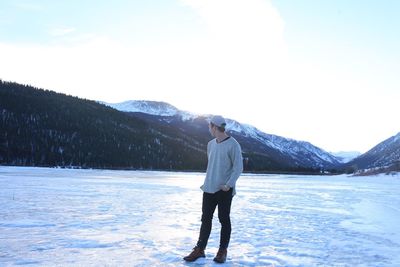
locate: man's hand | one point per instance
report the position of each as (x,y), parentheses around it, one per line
(224,187)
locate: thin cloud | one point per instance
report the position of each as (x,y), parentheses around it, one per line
(238,66)
(245,38)
(27,6)
(57,32)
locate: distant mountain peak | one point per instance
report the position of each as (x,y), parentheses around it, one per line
(346,156)
(145,106)
(157,108)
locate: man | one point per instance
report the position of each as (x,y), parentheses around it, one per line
(224,167)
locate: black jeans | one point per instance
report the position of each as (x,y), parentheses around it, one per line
(210,201)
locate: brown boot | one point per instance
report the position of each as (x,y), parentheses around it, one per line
(221,255)
(195,254)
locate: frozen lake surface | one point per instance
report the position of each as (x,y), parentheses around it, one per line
(59,217)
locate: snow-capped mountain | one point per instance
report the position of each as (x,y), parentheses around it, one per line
(45,128)
(149,107)
(279,150)
(346,156)
(301,151)
(384,154)
(147,135)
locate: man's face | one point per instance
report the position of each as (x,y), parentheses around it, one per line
(212,129)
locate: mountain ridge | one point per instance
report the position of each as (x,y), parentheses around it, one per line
(296,149)
(44,128)
(383,155)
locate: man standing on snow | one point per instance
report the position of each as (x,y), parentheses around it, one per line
(224,167)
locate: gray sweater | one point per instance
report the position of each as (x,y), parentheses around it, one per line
(225,164)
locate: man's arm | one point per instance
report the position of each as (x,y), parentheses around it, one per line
(237,163)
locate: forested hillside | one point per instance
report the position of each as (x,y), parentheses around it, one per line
(44,128)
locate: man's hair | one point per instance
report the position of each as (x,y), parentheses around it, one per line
(221,129)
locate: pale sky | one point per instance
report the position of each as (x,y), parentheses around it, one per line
(317,71)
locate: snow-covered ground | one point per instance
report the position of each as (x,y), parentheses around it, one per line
(59,217)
